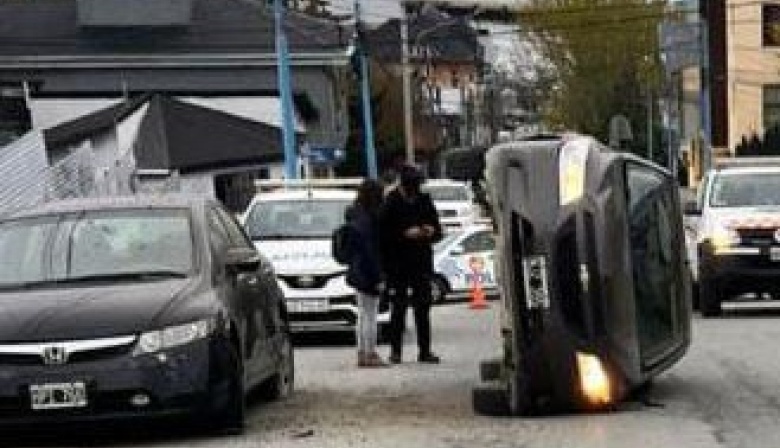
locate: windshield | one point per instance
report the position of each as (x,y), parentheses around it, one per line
(95,244)
(746,190)
(302,218)
(447,192)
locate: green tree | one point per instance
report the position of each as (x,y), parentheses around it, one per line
(604,57)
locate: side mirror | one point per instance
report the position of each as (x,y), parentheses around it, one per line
(691,208)
(242,259)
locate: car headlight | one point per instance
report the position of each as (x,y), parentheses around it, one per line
(722,238)
(174,336)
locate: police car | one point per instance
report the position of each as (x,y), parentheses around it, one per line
(293,226)
(464,256)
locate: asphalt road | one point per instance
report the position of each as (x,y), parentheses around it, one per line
(725,393)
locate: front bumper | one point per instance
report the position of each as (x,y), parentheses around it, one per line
(177,381)
(741,268)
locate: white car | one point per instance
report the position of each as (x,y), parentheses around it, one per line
(454,201)
(463,256)
(293,228)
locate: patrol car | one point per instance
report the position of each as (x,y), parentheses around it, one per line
(454,201)
(738,235)
(462,258)
(293,226)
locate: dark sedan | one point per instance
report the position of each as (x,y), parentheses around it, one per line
(143,306)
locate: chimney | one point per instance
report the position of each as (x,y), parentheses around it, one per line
(134,13)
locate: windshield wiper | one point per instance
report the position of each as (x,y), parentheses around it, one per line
(137,275)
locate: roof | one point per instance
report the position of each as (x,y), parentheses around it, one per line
(178,135)
(51,28)
(449,39)
(114,203)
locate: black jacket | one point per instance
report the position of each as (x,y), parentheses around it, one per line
(364,271)
(406,260)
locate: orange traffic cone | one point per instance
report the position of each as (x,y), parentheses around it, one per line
(478,301)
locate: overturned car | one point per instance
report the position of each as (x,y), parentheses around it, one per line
(593,277)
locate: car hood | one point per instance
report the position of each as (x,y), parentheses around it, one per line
(295,257)
(85,311)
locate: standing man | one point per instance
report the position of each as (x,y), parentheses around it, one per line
(409,227)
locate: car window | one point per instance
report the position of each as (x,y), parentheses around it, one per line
(302,218)
(482,241)
(234,231)
(218,234)
(447,192)
(22,254)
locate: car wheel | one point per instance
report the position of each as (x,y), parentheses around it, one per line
(439,290)
(231,417)
(282,383)
(709,298)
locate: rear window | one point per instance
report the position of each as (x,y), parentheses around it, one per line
(447,192)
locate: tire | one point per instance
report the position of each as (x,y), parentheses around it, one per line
(490,399)
(710,298)
(439,289)
(282,383)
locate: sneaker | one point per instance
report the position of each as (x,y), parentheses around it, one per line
(395,358)
(429,358)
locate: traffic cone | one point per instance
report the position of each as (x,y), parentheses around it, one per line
(478,301)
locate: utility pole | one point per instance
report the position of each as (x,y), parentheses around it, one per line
(285,93)
(407,87)
(365,93)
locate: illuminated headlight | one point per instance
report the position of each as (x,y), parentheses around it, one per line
(571,170)
(723,238)
(174,336)
(594,380)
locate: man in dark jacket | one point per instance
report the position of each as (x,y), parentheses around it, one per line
(409,227)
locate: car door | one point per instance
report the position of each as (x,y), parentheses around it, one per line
(477,259)
(261,297)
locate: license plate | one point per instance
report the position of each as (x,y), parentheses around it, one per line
(774,253)
(308,306)
(58,396)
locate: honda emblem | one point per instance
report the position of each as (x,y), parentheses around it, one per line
(54,355)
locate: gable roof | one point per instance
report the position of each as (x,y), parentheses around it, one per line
(51,28)
(178,135)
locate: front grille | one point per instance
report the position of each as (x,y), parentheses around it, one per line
(32,354)
(757,237)
(308,281)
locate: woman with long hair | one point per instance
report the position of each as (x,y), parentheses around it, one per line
(364,268)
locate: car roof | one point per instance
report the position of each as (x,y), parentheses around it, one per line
(114,203)
(313,193)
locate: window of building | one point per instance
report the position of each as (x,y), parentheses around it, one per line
(770,25)
(15,118)
(771,105)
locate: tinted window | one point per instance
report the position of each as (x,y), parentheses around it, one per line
(479,242)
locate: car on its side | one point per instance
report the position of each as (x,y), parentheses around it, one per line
(293,226)
(454,201)
(136,307)
(463,257)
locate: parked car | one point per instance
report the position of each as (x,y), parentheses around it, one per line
(463,257)
(293,226)
(454,200)
(142,306)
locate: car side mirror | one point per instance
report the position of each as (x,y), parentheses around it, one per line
(242,259)
(691,208)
